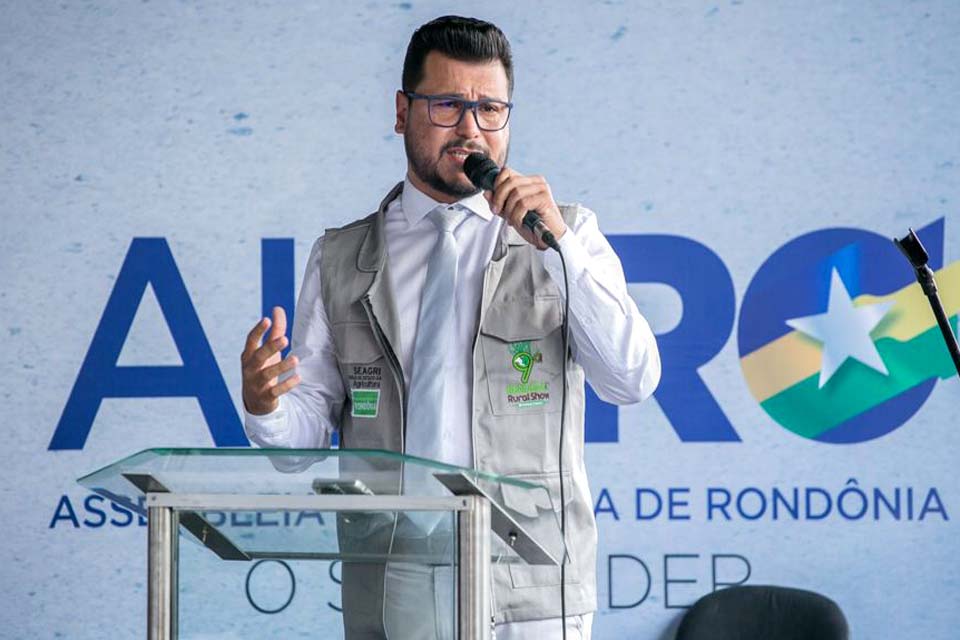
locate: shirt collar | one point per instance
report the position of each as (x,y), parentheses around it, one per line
(416,204)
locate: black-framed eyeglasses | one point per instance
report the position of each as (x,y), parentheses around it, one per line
(447,111)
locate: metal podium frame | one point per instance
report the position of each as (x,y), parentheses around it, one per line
(179,487)
(473,522)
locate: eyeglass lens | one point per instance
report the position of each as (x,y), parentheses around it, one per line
(446,112)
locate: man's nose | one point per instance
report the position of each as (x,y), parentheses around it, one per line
(468,124)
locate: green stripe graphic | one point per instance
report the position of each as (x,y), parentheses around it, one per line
(809,411)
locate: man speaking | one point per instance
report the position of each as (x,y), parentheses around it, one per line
(444,286)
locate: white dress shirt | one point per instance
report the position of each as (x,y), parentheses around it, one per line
(608,336)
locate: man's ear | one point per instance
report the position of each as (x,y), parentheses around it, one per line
(403,105)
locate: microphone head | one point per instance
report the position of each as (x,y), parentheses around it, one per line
(481,170)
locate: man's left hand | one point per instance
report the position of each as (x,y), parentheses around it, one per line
(515,194)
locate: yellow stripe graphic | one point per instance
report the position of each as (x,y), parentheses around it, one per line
(794,356)
(904,323)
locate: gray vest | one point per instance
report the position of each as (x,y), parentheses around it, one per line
(516,418)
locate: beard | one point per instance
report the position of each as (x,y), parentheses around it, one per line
(426,167)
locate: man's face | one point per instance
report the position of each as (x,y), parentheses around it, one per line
(435,154)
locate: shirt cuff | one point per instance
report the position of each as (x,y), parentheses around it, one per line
(270,429)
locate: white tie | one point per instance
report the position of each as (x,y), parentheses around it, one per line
(433,342)
(434,338)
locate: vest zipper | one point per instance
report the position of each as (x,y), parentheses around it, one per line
(394,366)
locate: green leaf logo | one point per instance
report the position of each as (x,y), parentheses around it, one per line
(523,359)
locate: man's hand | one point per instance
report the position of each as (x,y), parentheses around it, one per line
(515,194)
(261,365)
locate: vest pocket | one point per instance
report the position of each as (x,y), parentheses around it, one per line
(522,349)
(366,377)
(540,516)
(355,342)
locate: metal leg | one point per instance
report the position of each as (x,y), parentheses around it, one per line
(162,524)
(473,570)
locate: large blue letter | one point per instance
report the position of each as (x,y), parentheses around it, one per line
(706,289)
(148,261)
(277,279)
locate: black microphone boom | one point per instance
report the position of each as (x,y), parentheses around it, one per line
(483,172)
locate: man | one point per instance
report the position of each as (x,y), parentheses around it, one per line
(371,295)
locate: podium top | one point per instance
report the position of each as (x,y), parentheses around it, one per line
(527,504)
(284,471)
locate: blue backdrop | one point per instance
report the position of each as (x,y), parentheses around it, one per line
(167,165)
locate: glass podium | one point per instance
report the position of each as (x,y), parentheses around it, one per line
(378,514)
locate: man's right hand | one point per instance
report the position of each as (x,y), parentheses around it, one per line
(261,365)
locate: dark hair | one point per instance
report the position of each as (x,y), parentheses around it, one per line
(466,39)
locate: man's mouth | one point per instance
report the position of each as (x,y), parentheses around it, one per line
(459,153)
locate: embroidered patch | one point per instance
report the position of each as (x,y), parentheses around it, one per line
(528,393)
(364,376)
(366,402)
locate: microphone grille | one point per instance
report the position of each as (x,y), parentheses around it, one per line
(481,170)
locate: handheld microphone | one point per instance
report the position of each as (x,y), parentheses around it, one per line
(483,172)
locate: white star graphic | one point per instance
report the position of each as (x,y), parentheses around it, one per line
(844,330)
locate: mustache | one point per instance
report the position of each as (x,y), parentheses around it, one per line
(464,144)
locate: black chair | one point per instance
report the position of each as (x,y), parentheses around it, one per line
(763,613)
